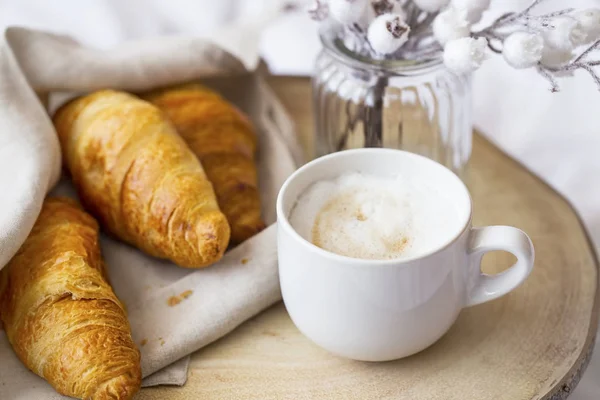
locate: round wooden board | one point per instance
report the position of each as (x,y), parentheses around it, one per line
(531,344)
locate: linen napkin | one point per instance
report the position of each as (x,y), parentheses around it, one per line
(173,311)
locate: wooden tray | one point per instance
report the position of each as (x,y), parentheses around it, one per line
(532,344)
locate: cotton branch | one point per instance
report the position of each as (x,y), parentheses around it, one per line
(587,52)
(524,12)
(438,28)
(524,17)
(592,73)
(578,62)
(546,74)
(498,32)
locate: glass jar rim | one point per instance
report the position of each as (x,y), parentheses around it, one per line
(334,46)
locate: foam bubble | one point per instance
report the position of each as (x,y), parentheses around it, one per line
(373,217)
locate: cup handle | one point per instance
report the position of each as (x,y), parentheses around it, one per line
(493,238)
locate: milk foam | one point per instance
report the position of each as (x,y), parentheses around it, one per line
(374,217)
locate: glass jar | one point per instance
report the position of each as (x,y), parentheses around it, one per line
(413,105)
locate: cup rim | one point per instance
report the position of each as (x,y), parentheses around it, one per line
(284,223)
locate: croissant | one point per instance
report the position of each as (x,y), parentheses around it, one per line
(60,313)
(138,177)
(225,142)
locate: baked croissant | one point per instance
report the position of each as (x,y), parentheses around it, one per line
(138,177)
(60,313)
(225,142)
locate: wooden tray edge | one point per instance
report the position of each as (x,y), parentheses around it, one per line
(564,387)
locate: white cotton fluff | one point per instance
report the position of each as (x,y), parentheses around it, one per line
(431,5)
(589,23)
(473,9)
(564,33)
(523,49)
(318,10)
(471,4)
(552,57)
(450,24)
(347,12)
(389,6)
(387,33)
(375,217)
(465,55)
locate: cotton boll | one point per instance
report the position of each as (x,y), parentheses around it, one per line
(523,49)
(473,9)
(553,57)
(347,12)
(450,24)
(318,10)
(387,33)
(474,16)
(379,7)
(589,22)
(564,33)
(471,4)
(465,55)
(431,5)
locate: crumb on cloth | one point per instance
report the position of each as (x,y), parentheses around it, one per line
(174,300)
(143,342)
(245,261)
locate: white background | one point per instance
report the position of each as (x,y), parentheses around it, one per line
(555,135)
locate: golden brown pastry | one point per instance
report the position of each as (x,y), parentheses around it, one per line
(139,178)
(60,313)
(225,141)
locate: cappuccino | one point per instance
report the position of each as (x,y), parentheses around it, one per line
(374,217)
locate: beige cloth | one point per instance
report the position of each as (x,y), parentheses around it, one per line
(224,295)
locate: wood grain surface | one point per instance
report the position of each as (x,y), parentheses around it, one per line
(531,344)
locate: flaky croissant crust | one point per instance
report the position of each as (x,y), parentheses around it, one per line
(61,315)
(140,179)
(225,141)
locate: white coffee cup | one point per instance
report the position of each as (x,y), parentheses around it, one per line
(379,310)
